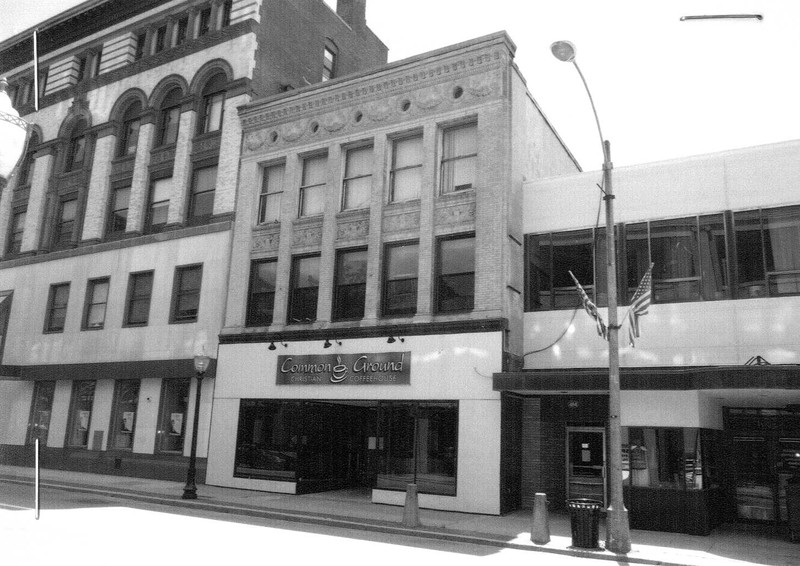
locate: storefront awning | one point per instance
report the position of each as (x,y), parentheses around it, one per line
(652,378)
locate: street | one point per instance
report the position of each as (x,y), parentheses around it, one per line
(90,529)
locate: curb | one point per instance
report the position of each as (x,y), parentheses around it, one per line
(341,522)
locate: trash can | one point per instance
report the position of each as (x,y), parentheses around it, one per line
(793,508)
(584,516)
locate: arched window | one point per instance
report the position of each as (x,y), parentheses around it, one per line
(213,102)
(170,117)
(130,129)
(24,173)
(76,153)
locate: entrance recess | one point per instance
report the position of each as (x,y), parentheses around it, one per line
(586,465)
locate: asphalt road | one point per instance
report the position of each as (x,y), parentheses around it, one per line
(88,529)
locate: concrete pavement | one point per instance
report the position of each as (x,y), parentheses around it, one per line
(729,545)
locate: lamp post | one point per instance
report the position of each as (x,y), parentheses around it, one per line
(618,536)
(190,489)
(13,136)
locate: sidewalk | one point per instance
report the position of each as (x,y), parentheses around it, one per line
(730,545)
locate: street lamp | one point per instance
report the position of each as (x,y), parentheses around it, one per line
(201,363)
(13,136)
(618,536)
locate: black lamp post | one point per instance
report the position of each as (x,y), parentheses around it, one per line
(190,489)
(618,537)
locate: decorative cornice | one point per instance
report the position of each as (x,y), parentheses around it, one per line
(381,97)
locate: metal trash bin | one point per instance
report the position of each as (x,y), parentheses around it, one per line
(584,515)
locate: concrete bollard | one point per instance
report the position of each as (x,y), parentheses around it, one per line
(540,531)
(411,510)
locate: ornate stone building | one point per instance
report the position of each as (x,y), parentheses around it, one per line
(115,234)
(376,280)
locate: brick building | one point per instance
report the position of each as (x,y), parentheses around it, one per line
(116,231)
(376,280)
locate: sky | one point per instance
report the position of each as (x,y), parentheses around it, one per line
(663,88)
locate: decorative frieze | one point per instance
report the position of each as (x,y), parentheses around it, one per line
(455,214)
(266,242)
(307,237)
(401,222)
(353,230)
(441,79)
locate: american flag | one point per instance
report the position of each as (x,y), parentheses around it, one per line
(639,304)
(588,305)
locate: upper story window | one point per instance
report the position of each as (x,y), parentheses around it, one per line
(57,308)
(118,211)
(227,8)
(550,259)
(400,274)
(130,129)
(211,112)
(22,93)
(158,209)
(350,284)
(261,295)
(406,173)
(94,314)
(357,184)
(83,71)
(269,205)
(141,44)
(459,158)
(182,30)
(201,199)
(137,304)
(694,259)
(205,22)
(170,116)
(455,274)
(768,252)
(304,289)
(328,63)
(16,231)
(66,221)
(312,187)
(186,294)
(160,41)
(76,152)
(24,171)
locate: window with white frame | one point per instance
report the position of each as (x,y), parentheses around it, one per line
(269,205)
(312,187)
(459,158)
(357,184)
(406,173)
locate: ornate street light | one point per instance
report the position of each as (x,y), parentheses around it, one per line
(13,136)
(201,363)
(618,536)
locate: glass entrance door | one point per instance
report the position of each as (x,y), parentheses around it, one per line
(586,464)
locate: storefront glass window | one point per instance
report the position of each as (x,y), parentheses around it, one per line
(417,444)
(663,457)
(80,417)
(39,424)
(267,440)
(126,399)
(172,424)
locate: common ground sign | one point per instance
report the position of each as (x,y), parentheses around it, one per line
(384,368)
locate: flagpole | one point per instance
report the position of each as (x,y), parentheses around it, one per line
(618,536)
(36,70)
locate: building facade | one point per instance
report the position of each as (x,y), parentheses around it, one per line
(711,387)
(376,280)
(115,234)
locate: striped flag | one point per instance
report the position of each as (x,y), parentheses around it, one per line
(639,304)
(588,305)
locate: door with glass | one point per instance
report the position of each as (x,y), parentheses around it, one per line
(586,463)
